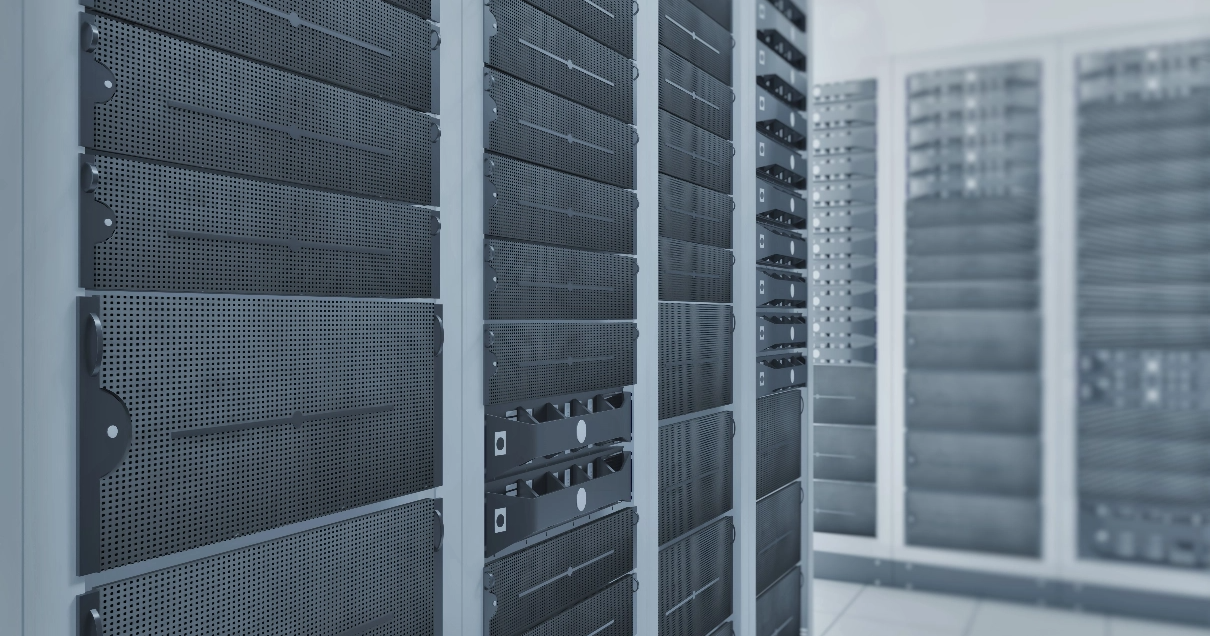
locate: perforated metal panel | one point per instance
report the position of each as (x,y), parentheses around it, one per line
(608,613)
(692,154)
(694,273)
(183,103)
(778,532)
(538,282)
(778,440)
(694,95)
(536,204)
(537,360)
(692,213)
(779,610)
(162,228)
(541,50)
(422,8)
(691,34)
(369,47)
(846,507)
(695,472)
(528,123)
(610,22)
(214,417)
(536,584)
(718,10)
(695,357)
(696,581)
(377,574)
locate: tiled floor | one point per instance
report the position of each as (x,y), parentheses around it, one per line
(847,609)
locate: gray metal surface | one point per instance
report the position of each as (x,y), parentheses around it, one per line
(290,128)
(528,123)
(979,522)
(155,227)
(778,440)
(207,418)
(528,588)
(534,46)
(526,361)
(689,212)
(369,47)
(375,574)
(694,154)
(695,472)
(694,273)
(696,581)
(846,507)
(691,34)
(845,452)
(778,534)
(523,281)
(695,357)
(610,22)
(694,95)
(531,203)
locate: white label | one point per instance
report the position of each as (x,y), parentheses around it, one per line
(760,102)
(791,290)
(762,332)
(760,195)
(581,431)
(761,148)
(581,499)
(791,333)
(501,518)
(501,444)
(760,57)
(791,376)
(791,248)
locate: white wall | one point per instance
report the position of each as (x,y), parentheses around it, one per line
(853,36)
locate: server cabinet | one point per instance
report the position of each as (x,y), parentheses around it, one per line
(778,534)
(135,100)
(695,357)
(694,95)
(156,227)
(687,31)
(533,360)
(384,50)
(377,573)
(534,46)
(607,613)
(523,281)
(526,202)
(527,588)
(694,273)
(695,480)
(1142,313)
(610,22)
(778,440)
(527,123)
(206,418)
(779,609)
(516,434)
(691,213)
(692,154)
(972,294)
(696,581)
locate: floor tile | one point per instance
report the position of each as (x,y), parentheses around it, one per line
(1011,619)
(908,608)
(855,626)
(834,596)
(823,621)
(1130,627)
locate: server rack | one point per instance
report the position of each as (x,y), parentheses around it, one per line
(973,140)
(844,169)
(784,267)
(259,368)
(697,569)
(560,279)
(1141,306)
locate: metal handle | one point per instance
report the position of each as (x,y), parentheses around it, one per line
(439,531)
(94,348)
(96,626)
(439,334)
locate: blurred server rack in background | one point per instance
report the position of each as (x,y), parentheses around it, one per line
(973,327)
(1143,305)
(844,304)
